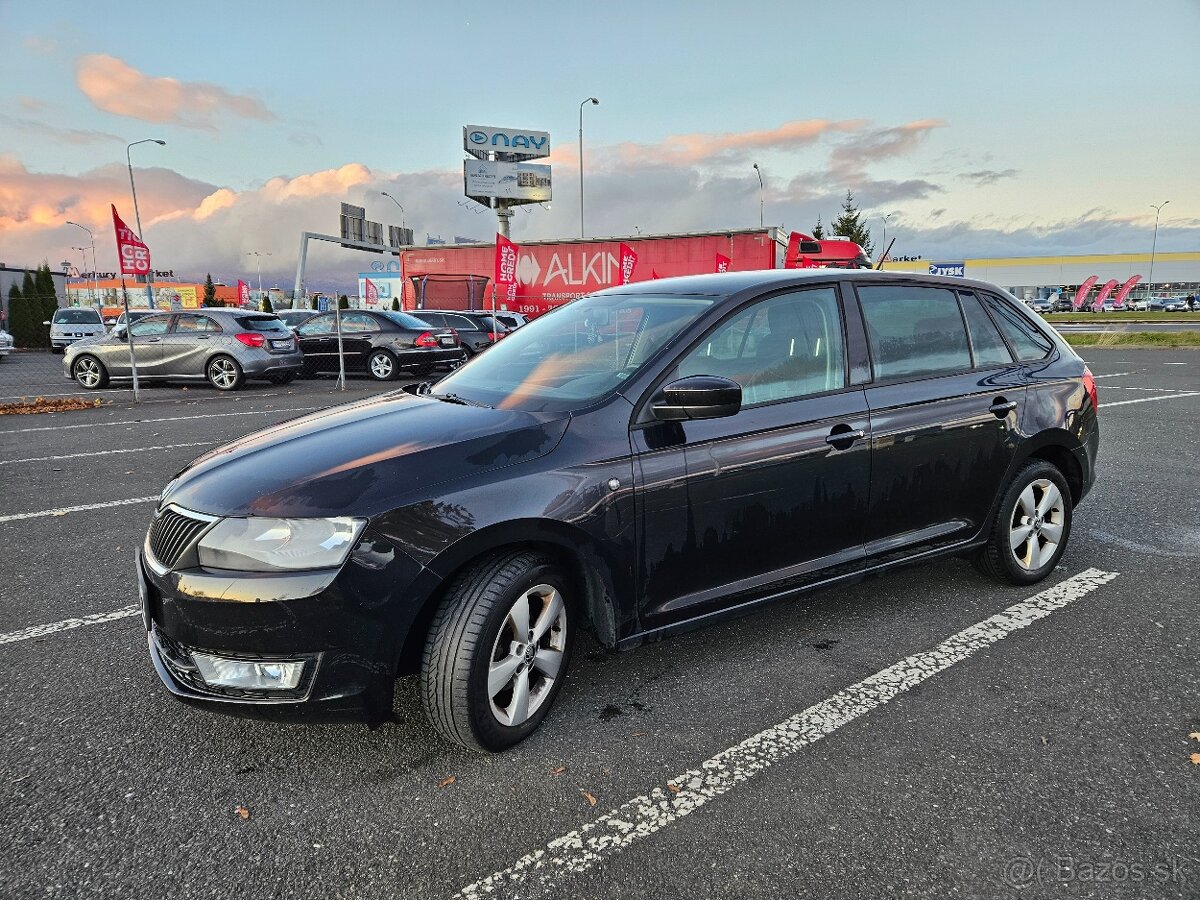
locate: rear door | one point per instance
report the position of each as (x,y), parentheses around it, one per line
(359,331)
(318,340)
(946,405)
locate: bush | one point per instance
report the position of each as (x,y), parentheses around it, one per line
(343,302)
(266,304)
(395,305)
(25,315)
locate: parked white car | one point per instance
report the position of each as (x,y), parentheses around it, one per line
(74,324)
(6,343)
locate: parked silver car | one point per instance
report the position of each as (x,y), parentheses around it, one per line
(73,324)
(6,343)
(225,347)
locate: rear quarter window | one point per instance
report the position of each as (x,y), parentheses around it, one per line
(1025,338)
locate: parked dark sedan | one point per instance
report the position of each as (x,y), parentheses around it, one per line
(384,344)
(647,459)
(476,331)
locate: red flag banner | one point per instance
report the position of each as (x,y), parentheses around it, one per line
(1119,300)
(243,293)
(506,270)
(1103,295)
(132,253)
(723,263)
(1081,295)
(628,263)
(372,291)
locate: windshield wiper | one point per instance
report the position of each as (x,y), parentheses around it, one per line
(461,401)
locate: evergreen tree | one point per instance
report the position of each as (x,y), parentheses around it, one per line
(210,292)
(343,302)
(47,295)
(316,302)
(818,230)
(395,305)
(25,321)
(851,226)
(267,307)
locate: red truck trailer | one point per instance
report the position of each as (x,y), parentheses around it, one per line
(551,273)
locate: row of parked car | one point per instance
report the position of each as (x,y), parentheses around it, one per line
(226,346)
(1147,304)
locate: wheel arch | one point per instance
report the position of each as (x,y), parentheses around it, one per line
(1060,448)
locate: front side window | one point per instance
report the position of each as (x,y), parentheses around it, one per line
(1027,342)
(781,348)
(914,331)
(576,354)
(150,325)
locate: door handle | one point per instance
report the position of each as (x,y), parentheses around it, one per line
(846,436)
(153,340)
(1001,407)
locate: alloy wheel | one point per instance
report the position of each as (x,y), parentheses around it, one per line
(527,655)
(382,366)
(223,373)
(87,372)
(1036,528)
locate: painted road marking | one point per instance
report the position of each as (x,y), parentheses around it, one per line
(1115,375)
(38,631)
(1125,387)
(251,412)
(10,462)
(538,872)
(1150,399)
(64,510)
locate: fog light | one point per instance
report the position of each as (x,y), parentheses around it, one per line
(250,675)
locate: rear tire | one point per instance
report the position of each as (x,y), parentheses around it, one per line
(224,373)
(1032,526)
(89,372)
(498,650)
(381,366)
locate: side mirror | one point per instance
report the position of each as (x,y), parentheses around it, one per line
(697,397)
(118,331)
(46,322)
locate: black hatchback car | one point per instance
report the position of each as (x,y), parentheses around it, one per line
(643,460)
(383,344)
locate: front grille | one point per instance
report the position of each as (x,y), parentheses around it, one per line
(172,533)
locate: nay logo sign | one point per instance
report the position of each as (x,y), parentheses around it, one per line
(957,269)
(507,140)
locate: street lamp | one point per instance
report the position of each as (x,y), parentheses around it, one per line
(397,202)
(884,220)
(1153,246)
(760,195)
(594,102)
(95,289)
(260,256)
(137,216)
(83,257)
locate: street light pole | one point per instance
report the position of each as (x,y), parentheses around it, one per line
(1154,246)
(95,278)
(594,102)
(137,215)
(82,256)
(760,195)
(259,256)
(884,220)
(403,214)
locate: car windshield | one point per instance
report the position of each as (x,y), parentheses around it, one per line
(573,356)
(404,320)
(77,317)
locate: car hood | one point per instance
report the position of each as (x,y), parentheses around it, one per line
(361,459)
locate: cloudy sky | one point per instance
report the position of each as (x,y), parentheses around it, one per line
(1016,128)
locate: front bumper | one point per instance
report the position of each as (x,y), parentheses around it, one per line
(348,625)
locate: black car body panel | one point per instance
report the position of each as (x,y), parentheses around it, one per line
(663,525)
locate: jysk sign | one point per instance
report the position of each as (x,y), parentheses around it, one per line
(956,269)
(483,139)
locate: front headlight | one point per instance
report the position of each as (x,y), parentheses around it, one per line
(279,545)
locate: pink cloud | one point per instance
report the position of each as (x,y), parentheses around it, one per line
(851,157)
(116,87)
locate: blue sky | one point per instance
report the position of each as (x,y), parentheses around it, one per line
(1005,129)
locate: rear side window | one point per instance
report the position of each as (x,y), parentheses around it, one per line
(460,323)
(986,343)
(261,323)
(914,330)
(1023,336)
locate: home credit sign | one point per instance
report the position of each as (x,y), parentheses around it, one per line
(132,253)
(506,270)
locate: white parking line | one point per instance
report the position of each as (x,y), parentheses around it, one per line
(38,631)
(10,462)
(1104,405)
(64,510)
(537,873)
(1114,375)
(251,412)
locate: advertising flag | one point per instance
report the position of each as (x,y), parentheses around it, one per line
(372,292)
(1103,295)
(1081,295)
(1119,300)
(722,263)
(506,270)
(243,293)
(628,263)
(132,253)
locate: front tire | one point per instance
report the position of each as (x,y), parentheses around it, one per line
(382,365)
(498,650)
(1031,528)
(90,372)
(224,373)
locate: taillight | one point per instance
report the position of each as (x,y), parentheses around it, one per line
(251,338)
(1089,382)
(426,340)
(494,336)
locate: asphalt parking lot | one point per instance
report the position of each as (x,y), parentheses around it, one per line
(903,736)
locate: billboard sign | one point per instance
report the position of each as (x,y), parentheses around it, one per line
(506,180)
(954,269)
(485,139)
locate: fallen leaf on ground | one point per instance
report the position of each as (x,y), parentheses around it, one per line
(243,812)
(558,770)
(61,512)
(1045,740)
(638,734)
(1196,759)
(592,800)
(1195,735)
(672,787)
(446,782)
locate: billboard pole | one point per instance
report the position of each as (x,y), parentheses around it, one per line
(503,217)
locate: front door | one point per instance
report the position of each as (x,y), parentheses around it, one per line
(147,334)
(737,508)
(318,340)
